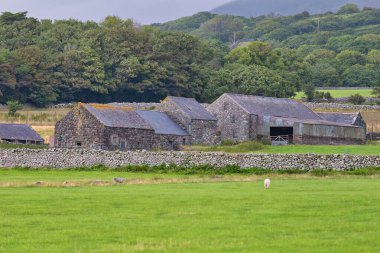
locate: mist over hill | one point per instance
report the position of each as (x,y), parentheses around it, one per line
(255,8)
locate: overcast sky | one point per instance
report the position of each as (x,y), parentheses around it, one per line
(143,11)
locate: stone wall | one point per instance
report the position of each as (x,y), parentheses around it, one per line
(63,158)
(341,107)
(233,122)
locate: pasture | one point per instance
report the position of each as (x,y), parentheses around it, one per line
(299,213)
(342,93)
(372,148)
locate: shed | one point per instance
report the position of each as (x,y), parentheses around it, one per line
(19,134)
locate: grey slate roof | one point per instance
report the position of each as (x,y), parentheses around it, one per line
(161,123)
(117,116)
(19,132)
(126,117)
(276,107)
(343,118)
(192,108)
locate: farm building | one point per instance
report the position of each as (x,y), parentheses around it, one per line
(112,127)
(193,117)
(243,117)
(19,134)
(354,119)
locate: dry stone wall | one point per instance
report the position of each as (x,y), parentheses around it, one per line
(71,158)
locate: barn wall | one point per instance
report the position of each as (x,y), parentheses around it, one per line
(78,126)
(330,135)
(234,123)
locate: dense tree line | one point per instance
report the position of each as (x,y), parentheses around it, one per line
(43,62)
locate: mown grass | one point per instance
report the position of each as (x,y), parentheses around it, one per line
(294,215)
(341,93)
(21,146)
(372,148)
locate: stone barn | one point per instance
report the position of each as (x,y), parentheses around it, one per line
(244,117)
(19,134)
(193,118)
(111,127)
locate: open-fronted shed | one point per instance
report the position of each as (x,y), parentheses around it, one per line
(19,133)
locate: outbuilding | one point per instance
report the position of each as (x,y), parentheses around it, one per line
(19,134)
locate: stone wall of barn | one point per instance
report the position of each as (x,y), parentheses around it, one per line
(127,139)
(79,128)
(234,123)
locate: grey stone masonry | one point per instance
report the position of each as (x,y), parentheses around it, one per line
(71,158)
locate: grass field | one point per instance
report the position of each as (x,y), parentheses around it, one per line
(256,147)
(298,214)
(341,93)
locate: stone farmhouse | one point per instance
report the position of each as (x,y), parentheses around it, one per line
(19,134)
(180,121)
(243,117)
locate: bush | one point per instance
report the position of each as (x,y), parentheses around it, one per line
(357,99)
(13,107)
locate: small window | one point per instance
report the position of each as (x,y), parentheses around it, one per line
(171,145)
(234,134)
(115,140)
(233,119)
(79,144)
(184,141)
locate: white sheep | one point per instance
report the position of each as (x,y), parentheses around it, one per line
(267,183)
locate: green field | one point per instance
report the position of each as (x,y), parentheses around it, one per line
(298,214)
(256,147)
(341,93)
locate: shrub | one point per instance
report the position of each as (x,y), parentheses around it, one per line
(357,99)
(13,107)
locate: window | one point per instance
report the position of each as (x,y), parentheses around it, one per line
(184,141)
(233,119)
(115,140)
(79,144)
(171,145)
(234,134)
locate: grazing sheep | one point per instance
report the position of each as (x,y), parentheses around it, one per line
(267,183)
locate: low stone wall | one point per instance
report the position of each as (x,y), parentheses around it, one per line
(343,107)
(63,158)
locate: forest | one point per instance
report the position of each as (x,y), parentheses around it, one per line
(44,62)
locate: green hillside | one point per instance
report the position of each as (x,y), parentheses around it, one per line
(254,8)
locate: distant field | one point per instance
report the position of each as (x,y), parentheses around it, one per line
(335,214)
(341,93)
(255,147)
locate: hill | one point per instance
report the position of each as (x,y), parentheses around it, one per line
(254,8)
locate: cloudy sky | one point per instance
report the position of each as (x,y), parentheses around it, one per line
(143,11)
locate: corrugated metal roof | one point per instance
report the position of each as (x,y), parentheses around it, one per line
(343,118)
(192,108)
(277,107)
(117,116)
(19,132)
(161,123)
(309,121)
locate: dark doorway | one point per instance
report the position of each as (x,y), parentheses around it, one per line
(282,131)
(123,146)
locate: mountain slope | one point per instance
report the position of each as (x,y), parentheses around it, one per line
(254,8)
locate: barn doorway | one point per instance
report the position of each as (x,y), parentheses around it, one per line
(281,135)
(123,146)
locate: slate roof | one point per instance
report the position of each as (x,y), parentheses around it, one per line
(276,107)
(343,118)
(117,116)
(126,117)
(161,123)
(19,132)
(192,108)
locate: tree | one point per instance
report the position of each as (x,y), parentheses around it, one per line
(13,107)
(349,9)
(376,91)
(309,91)
(357,99)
